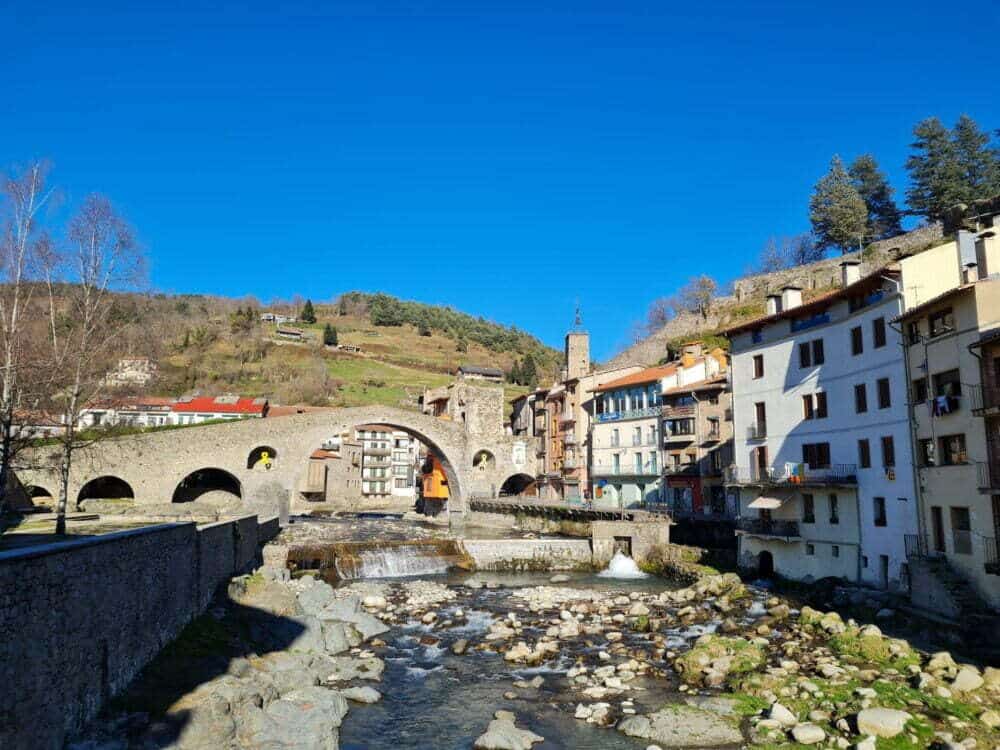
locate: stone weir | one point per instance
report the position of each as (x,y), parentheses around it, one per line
(529,554)
(386,559)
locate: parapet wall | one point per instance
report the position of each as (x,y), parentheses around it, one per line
(529,554)
(80,619)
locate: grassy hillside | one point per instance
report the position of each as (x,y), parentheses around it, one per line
(203,343)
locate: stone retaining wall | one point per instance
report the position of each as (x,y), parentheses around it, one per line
(529,554)
(79,619)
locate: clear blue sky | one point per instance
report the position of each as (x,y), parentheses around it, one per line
(504,158)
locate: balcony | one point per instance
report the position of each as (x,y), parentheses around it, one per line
(567,417)
(682,470)
(569,438)
(678,433)
(648,469)
(768,527)
(570,464)
(378,451)
(757,431)
(988,477)
(678,412)
(714,433)
(793,474)
(991,560)
(807,323)
(620,416)
(983,400)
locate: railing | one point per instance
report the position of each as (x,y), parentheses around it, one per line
(674,412)
(815,320)
(793,474)
(768,527)
(713,435)
(757,431)
(991,560)
(916,546)
(689,469)
(647,469)
(678,432)
(982,399)
(617,416)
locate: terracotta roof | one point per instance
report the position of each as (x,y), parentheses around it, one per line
(719,381)
(873,279)
(923,306)
(211,405)
(132,402)
(649,375)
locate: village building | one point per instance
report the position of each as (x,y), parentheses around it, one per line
(477,372)
(198,409)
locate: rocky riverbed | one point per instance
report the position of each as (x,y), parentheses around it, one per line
(425,664)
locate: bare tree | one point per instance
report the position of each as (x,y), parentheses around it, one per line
(660,313)
(780,253)
(20,242)
(85,322)
(697,296)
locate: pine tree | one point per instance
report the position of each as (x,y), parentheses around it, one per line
(837,211)
(329,335)
(528,372)
(308,314)
(874,189)
(978,163)
(935,171)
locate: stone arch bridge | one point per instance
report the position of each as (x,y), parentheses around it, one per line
(154,464)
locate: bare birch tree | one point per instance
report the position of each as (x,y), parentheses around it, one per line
(24,195)
(101,256)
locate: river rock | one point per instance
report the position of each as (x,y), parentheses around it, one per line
(967,680)
(362,694)
(339,637)
(287,671)
(503,734)
(882,722)
(460,646)
(306,718)
(677,725)
(783,716)
(314,597)
(346,668)
(808,734)
(348,609)
(559,578)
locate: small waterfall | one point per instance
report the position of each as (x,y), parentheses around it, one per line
(622,566)
(387,559)
(393,562)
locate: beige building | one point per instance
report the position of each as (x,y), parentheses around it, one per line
(952,344)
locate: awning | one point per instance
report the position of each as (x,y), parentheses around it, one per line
(767,503)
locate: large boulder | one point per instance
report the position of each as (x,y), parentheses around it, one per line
(882,722)
(504,734)
(349,610)
(678,725)
(305,719)
(713,658)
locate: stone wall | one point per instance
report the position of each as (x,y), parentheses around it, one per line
(643,537)
(80,619)
(529,554)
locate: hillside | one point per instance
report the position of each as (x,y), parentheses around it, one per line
(211,344)
(749,294)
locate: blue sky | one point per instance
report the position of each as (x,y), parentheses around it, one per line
(504,158)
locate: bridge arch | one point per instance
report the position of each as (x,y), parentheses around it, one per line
(517,484)
(107,487)
(209,479)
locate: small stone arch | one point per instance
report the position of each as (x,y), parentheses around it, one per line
(35,492)
(105,488)
(210,479)
(262,458)
(518,484)
(484,461)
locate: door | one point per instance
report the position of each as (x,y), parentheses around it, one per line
(883,571)
(937,529)
(760,462)
(765,564)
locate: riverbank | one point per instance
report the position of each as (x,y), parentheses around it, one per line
(584,663)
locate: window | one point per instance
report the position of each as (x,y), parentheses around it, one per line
(637,463)
(926,452)
(758,366)
(864,454)
(953,450)
(913,332)
(857,341)
(948,384)
(879,511)
(864,561)
(816,455)
(860,399)
(814,406)
(805,355)
(941,322)
(834,509)
(884,396)
(807,407)
(810,549)
(919,390)
(821,405)
(888,451)
(808,509)
(652,463)
(818,356)
(835,549)
(878,333)
(715,460)
(760,413)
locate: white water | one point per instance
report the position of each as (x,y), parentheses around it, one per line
(396,562)
(622,566)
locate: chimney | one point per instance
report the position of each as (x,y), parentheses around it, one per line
(850,272)
(693,348)
(987,254)
(773,304)
(791,297)
(970,273)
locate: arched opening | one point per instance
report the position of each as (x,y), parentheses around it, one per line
(37,493)
(208,485)
(262,458)
(484,461)
(765,564)
(518,484)
(105,488)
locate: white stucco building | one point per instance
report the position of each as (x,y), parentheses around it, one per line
(823,465)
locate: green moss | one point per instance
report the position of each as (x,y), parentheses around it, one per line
(871,650)
(744,655)
(641,624)
(746,704)
(922,729)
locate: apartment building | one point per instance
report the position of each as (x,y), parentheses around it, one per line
(821,434)
(953,363)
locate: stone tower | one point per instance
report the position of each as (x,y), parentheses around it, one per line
(577,349)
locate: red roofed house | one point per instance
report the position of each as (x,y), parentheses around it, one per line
(197,409)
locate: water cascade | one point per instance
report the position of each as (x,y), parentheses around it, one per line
(390,559)
(622,566)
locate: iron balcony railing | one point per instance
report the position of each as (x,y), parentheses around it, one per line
(793,474)
(983,399)
(647,469)
(676,412)
(713,435)
(991,560)
(768,527)
(757,431)
(988,476)
(916,546)
(618,416)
